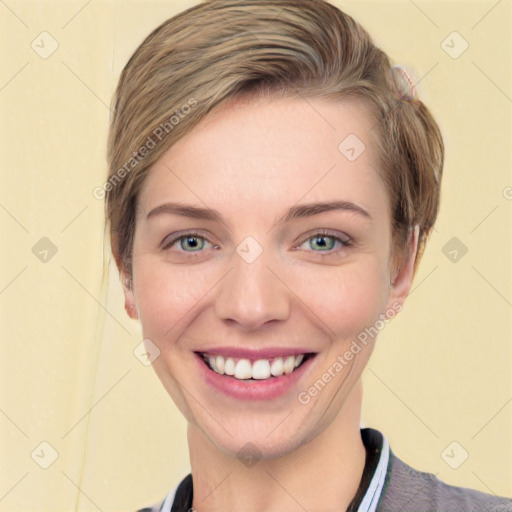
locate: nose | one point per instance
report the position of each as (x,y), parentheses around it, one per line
(251,295)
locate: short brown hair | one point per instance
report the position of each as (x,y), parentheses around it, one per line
(221,50)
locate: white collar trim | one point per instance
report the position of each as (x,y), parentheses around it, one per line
(374,491)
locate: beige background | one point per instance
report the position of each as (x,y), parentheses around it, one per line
(68,376)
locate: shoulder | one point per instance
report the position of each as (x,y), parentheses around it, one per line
(407,489)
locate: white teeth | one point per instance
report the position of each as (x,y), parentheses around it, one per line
(261,369)
(229,366)
(289,364)
(219,365)
(276,368)
(243,369)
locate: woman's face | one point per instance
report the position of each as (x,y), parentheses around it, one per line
(275,243)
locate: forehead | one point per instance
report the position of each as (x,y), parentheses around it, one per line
(267,152)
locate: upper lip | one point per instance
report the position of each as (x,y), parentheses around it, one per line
(262,353)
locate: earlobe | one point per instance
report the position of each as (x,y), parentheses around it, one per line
(131,309)
(126,280)
(129,299)
(401,281)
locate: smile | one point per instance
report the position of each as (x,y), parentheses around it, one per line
(254,374)
(259,369)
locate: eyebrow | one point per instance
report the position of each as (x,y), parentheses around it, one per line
(295,212)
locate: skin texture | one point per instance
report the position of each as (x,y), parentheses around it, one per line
(251,161)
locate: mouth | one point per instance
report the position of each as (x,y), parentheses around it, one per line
(253,370)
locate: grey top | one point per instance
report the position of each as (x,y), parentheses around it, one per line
(409,490)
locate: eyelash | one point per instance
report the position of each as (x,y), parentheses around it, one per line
(317,234)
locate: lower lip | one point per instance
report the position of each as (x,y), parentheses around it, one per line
(252,389)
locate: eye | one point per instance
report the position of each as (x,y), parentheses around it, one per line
(189,242)
(192,243)
(324,242)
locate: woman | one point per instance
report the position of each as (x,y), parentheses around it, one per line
(273,182)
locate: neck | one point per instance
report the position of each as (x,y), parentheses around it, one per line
(323,474)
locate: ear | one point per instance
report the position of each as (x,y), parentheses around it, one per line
(129,297)
(402,276)
(125,279)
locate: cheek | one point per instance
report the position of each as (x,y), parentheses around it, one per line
(168,295)
(346,299)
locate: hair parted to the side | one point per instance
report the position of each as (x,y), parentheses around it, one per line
(223,50)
